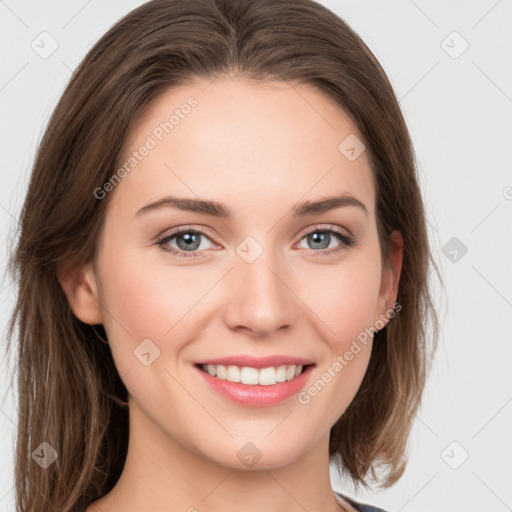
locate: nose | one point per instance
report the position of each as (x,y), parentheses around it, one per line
(261,299)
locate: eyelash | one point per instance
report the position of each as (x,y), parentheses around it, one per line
(347,241)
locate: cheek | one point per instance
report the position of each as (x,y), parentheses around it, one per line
(343,300)
(147,296)
(343,297)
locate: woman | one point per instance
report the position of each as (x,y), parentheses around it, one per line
(222,269)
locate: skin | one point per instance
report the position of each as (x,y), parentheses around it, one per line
(259,148)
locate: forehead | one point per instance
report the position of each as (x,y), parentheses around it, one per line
(235,139)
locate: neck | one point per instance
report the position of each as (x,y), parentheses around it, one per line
(163,474)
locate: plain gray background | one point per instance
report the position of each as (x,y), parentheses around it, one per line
(450,64)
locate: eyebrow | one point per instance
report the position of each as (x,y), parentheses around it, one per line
(302,209)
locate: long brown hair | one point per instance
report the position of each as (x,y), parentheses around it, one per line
(68,384)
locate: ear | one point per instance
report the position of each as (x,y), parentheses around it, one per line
(390,276)
(80,287)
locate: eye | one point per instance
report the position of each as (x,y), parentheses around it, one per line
(184,240)
(322,240)
(188,243)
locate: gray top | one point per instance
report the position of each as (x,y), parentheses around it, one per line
(361,507)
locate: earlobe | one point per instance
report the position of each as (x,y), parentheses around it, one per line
(80,287)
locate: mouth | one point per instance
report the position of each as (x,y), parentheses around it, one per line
(251,376)
(255,387)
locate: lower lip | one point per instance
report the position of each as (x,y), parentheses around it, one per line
(257,395)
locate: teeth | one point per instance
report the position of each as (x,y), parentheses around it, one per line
(233,374)
(253,376)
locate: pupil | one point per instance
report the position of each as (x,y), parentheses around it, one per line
(319,240)
(191,241)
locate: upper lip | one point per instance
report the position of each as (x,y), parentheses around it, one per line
(257,362)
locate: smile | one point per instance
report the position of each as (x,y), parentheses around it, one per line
(255,387)
(252,376)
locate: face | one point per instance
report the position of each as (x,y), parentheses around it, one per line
(268,278)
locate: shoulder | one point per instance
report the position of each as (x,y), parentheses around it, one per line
(360,507)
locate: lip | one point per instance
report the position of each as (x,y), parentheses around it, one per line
(257,362)
(256,395)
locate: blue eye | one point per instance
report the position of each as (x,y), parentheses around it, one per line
(322,238)
(187,242)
